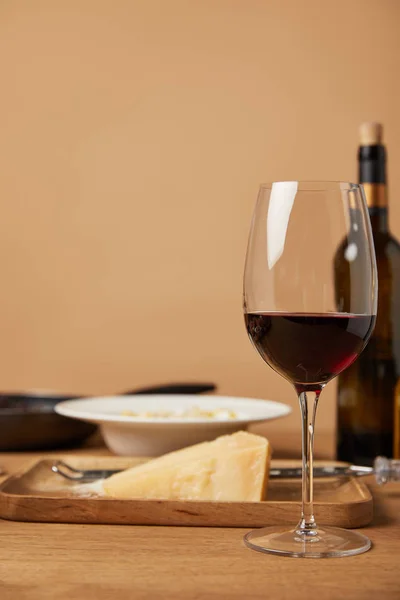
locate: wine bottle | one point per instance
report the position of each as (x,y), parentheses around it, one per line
(366,390)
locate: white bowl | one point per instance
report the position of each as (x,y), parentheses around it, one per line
(144,436)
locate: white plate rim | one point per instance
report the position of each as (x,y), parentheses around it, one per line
(71,409)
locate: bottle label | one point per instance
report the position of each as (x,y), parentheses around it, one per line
(375,195)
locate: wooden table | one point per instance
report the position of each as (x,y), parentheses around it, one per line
(42,561)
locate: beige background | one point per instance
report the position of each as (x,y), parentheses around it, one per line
(133,137)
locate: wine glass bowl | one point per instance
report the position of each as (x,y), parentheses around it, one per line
(305,324)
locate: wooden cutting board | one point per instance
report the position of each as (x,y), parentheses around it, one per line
(38,494)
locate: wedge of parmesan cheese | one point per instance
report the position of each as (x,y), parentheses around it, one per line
(231,468)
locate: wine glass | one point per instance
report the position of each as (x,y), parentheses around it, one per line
(307,328)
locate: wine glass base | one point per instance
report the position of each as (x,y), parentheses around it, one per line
(326,542)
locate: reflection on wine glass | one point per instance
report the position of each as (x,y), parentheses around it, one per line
(303,327)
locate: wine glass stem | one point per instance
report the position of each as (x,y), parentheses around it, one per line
(307,526)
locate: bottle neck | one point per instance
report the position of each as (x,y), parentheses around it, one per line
(376,197)
(379,219)
(372,175)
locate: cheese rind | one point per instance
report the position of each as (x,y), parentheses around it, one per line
(231,468)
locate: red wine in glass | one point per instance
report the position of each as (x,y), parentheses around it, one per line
(309,349)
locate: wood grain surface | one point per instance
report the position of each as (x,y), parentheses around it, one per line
(99,562)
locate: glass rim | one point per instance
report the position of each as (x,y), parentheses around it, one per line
(314,186)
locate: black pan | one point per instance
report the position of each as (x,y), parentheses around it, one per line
(28,420)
